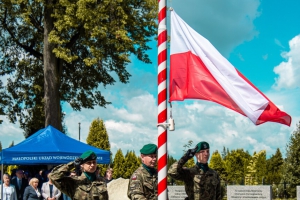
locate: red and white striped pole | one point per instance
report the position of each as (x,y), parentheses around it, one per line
(162,101)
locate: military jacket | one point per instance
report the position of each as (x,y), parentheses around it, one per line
(78,187)
(142,186)
(198,185)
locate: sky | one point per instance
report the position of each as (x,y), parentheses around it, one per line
(260,38)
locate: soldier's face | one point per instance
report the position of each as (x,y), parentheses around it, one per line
(149,160)
(203,156)
(89,166)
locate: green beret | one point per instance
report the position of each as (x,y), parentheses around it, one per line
(149,149)
(87,156)
(202,145)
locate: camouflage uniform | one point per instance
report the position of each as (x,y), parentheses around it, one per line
(78,187)
(142,186)
(198,185)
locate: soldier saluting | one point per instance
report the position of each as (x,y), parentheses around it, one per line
(143,182)
(200,181)
(87,186)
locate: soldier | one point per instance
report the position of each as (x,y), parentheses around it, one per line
(200,181)
(143,182)
(87,186)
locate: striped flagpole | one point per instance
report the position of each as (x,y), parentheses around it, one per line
(162,101)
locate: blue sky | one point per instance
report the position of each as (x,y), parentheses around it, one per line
(260,38)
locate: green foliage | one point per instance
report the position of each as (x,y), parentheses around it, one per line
(256,169)
(62,51)
(218,164)
(118,164)
(10,168)
(190,163)
(98,137)
(261,167)
(292,166)
(274,168)
(236,162)
(131,164)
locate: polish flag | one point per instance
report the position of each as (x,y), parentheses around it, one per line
(199,71)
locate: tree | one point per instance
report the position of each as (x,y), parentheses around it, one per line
(274,168)
(118,164)
(292,167)
(2,101)
(98,137)
(131,164)
(261,167)
(256,168)
(218,164)
(236,162)
(62,51)
(224,152)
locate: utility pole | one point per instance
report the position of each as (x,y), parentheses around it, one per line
(79,130)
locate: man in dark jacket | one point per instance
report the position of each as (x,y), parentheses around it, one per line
(20,183)
(201,182)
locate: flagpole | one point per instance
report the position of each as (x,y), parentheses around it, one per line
(162,101)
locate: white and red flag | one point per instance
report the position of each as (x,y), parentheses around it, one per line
(199,71)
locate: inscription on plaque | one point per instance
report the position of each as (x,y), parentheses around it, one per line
(176,192)
(298,192)
(262,192)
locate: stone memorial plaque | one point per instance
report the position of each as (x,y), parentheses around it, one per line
(298,192)
(249,192)
(176,192)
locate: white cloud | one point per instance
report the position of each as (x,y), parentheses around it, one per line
(10,133)
(289,70)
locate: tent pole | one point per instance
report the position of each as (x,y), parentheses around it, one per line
(2,176)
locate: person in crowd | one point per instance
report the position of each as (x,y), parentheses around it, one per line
(41,178)
(9,191)
(20,183)
(201,182)
(32,191)
(143,182)
(108,175)
(86,186)
(13,174)
(49,191)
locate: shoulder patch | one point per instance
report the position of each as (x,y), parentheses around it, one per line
(133,177)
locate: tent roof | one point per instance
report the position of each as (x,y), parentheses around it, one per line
(49,146)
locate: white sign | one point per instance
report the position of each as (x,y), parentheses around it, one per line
(261,192)
(176,192)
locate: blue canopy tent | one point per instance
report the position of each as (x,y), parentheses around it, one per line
(49,146)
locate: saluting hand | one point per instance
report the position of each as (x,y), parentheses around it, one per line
(191,152)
